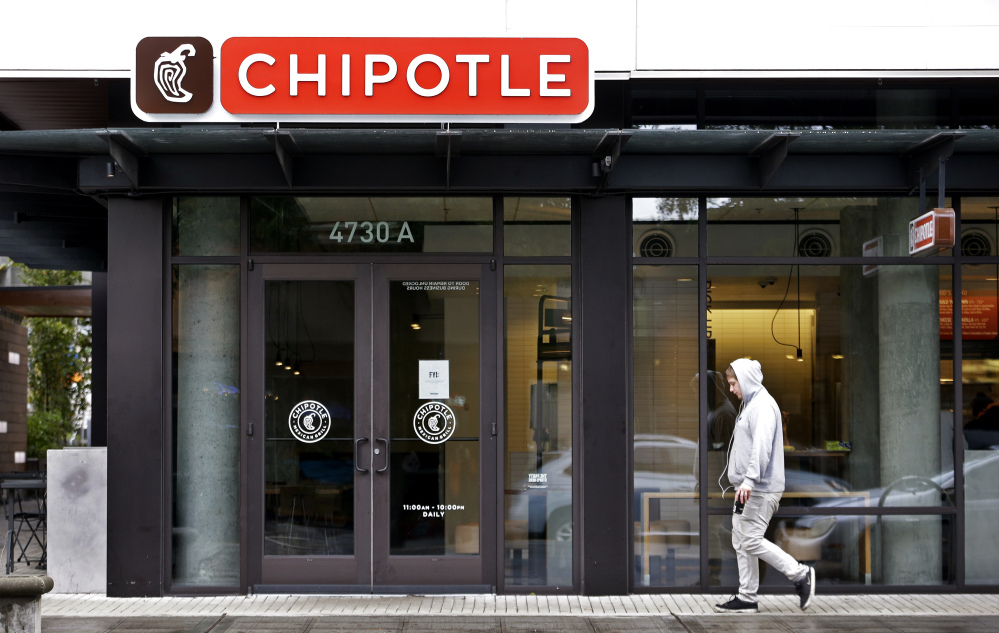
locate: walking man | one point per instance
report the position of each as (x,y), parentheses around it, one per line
(756,469)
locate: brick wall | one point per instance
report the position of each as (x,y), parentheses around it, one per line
(13,391)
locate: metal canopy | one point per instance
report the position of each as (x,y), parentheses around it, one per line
(57,230)
(200,140)
(52,182)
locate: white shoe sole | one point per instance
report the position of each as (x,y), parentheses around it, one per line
(811,588)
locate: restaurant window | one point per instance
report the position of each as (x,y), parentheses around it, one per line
(980,389)
(810,227)
(206,424)
(856,358)
(205,226)
(537,226)
(664,227)
(666,383)
(440,224)
(538,499)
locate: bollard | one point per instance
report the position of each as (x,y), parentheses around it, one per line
(21,603)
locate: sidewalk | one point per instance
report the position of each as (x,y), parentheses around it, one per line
(516,614)
(448,606)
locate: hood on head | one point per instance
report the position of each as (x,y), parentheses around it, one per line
(749,373)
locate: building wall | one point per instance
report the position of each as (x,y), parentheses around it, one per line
(643,36)
(13,391)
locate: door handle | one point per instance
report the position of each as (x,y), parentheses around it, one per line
(385,467)
(357,458)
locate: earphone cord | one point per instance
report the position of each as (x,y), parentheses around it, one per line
(728,453)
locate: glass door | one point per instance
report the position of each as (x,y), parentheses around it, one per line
(371,428)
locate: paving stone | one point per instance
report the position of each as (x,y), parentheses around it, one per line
(263,624)
(651,624)
(161,625)
(71,624)
(735,623)
(471,624)
(369,624)
(940,624)
(546,624)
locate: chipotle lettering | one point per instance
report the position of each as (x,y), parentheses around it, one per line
(375,78)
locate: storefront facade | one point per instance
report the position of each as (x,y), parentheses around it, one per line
(572,332)
(384,356)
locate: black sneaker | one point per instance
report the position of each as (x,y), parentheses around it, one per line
(805,588)
(735,605)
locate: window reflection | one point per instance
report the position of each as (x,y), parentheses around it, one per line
(537,226)
(371,224)
(666,516)
(845,549)
(861,368)
(980,388)
(538,353)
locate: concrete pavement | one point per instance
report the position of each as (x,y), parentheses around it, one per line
(640,613)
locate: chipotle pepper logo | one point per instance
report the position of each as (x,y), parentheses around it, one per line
(174,75)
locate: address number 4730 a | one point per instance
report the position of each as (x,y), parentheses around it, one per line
(368,232)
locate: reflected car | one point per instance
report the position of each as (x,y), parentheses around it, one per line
(662,463)
(981,470)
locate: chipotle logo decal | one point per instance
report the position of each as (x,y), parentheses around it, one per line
(375,79)
(174,75)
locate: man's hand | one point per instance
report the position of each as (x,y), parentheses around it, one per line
(742,493)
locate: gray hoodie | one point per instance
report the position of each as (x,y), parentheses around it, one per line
(757,453)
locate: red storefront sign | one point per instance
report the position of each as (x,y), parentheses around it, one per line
(362,79)
(979,317)
(419,78)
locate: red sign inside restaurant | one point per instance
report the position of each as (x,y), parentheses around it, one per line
(979,317)
(931,232)
(421,78)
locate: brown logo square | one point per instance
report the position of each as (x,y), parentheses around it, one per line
(174,75)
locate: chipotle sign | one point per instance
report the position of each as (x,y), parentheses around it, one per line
(377,79)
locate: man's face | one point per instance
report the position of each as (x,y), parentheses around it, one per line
(733,386)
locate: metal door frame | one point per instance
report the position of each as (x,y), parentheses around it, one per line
(371,568)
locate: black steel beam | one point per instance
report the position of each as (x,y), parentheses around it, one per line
(689,173)
(125,154)
(284,148)
(770,154)
(607,152)
(20,241)
(43,208)
(38,171)
(54,231)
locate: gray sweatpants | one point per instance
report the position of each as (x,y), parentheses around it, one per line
(750,546)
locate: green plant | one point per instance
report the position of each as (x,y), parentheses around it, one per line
(59,368)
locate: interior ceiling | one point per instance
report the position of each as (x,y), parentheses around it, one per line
(61,231)
(55,104)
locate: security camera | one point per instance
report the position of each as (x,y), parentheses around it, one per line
(769,281)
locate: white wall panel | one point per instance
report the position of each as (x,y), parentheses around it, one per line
(848,35)
(65,37)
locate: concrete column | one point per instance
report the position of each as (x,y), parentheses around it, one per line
(909,385)
(860,339)
(207,486)
(859,391)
